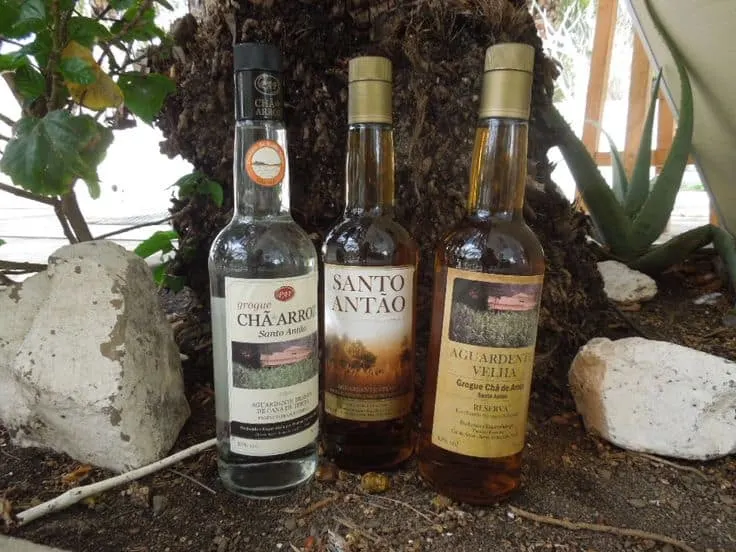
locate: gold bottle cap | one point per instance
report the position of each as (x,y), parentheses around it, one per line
(507,81)
(369,90)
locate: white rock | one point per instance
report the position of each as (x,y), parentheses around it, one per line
(656,397)
(624,285)
(88,364)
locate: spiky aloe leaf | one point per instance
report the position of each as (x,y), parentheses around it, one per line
(620,182)
(725,244)
(639,185)
(654,214)
(606,213)
(673,251)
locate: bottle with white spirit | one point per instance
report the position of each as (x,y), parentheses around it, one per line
(263,279)
(370,271)
(488,284)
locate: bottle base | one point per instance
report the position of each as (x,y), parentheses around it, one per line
(476,485)
(263,480)
(365,459)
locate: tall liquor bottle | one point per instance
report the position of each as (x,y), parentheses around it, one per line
(370,271)
(263,280)
(488,283)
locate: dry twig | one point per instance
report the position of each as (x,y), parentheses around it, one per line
(599,528)
(658,460)
(404,504)
(194,480)
(319,505)
(73,496)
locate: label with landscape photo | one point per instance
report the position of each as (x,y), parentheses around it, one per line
(273,364)
(486,361)
(369,342)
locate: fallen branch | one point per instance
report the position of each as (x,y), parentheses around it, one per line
(73,496)
(21,268)
(599,528)
(658,460)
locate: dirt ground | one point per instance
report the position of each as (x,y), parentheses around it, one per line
(569,476)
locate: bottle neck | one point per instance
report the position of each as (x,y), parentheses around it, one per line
(369,170)
(261,170)
(498,169)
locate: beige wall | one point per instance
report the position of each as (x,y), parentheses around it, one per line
(705,34)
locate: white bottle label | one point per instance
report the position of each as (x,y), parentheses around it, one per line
(369,342)
(273,364)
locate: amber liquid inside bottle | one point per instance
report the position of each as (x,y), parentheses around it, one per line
(492,239)
(366,375)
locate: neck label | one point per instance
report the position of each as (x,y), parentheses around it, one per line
(265,163)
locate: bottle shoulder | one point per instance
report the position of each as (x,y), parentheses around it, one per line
(509,247)
(369,240)
(257,245)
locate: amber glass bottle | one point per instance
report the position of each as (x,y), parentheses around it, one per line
(488,282)
(370,271)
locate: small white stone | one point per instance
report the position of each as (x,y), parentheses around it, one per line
(88,364)
(656,397)
(624,285)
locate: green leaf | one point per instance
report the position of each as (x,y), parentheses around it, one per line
(605,212)
(30,82)
(30,19)
(40,48)
(93,153)
(163,279)
(9,13)
(121,4)
(725,244)
(160,241)
(652,219)
(620,183)
(639,188)
(78,70)
(145,94)
(674,251)
(143,29)
(198,183)
(86,31)
(12,61)
(47,155)
(2,242)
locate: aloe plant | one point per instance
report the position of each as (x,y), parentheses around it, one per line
(633,212)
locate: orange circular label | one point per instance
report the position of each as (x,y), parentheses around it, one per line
(265,163)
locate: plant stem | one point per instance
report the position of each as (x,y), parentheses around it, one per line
(7,120)
(27,195)
(51,66)
(74,215)
(134,227)
(58,209)
(20,268)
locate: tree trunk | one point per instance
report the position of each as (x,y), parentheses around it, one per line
(437,48)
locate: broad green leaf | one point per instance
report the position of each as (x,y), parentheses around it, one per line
(94,151)
(159,242)
(605,212)
(2,242)
(121,4)
(163,279)
(652,219)
(144,28)
(144,94)
(78,71)
(12,61)
(46,155)
(9,13)
(676,250)
(620,182)
(639,185)
(40,48)
(100,93)
(198,183)
(29,82)
(86,31)
(31,19)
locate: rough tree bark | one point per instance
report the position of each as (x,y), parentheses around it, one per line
(437,49)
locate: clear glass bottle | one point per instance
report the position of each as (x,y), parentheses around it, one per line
(263,280)
(488,284)
(370,272)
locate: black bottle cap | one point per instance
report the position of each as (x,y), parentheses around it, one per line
(252,56)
